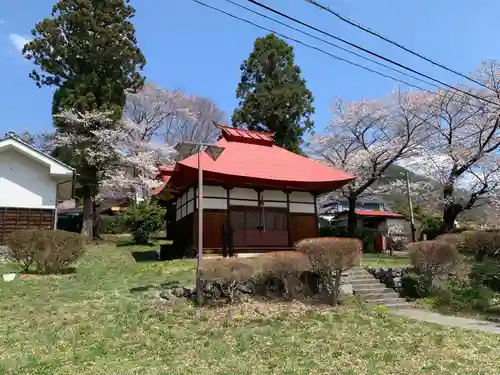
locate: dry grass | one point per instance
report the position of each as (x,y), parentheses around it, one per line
(107,319)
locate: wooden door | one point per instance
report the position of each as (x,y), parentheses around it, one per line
(259,227)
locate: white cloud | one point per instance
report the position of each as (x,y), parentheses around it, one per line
(2,21)
(18,41)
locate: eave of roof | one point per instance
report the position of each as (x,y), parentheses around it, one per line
(373,213)
(251,158)
(19,141)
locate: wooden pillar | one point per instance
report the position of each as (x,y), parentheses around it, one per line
(195,220)
(288,219)
(316,218)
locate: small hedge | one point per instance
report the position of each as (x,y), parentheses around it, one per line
(433,258)
(49,251)
(328,257)
(314,269)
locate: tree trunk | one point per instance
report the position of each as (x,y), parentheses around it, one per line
(451,209)
(352,222)
(450,214)
(336,288)
(88,215)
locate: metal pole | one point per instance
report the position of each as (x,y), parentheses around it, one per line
(200,224)
(410,206)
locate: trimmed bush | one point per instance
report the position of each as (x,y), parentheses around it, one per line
(50,251)
(114,224)
(23,246)
(481,244)
(143,220)
(57,250)
(453,239)
(284,270)
(328,257)
(433,258)
(226,275)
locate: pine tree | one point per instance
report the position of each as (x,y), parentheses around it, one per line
(273,96)
(88,51)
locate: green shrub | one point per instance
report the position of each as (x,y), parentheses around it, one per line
(143,220)
(433,258)
(50,251)
(415,285)
(431,226)
(115,224)
(328,257)
(487,273)
(462,295)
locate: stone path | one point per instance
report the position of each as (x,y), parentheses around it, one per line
(449,321)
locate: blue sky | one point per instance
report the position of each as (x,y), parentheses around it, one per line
(194,49)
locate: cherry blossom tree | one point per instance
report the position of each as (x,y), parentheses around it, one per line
(172,115)
(125,156)
(367,137)
(462,152)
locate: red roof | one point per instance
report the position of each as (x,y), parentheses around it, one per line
(252,158)
(374,213)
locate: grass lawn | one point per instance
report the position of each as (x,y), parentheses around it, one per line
(385,261)
(106,319)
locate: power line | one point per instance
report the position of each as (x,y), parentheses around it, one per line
(386,39)
(331,44)
(310,46)
(368,51)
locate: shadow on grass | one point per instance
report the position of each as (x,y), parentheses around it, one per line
(132,243)
(64,271)
(145,288)
(146,256)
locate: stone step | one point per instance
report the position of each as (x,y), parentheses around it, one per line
(365,281)
(380,294)
(365,290)
(383,301)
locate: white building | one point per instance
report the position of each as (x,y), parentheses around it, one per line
(31,184)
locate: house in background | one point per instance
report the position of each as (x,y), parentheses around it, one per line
(31,185)
(388,223)
(265,194)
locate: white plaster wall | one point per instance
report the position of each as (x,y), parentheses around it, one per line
(190,207)
(215,203)
(25,182)
(274,195)
(240,193)
(52,165)
(301,197)
(303,208)
(275,204)
(214,191)
(239,202)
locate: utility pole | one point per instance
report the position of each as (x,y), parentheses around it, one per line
(410,206)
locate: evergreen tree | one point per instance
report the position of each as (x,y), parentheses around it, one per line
(88,51)
(273,96)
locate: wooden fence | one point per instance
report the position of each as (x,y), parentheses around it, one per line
(12,218)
